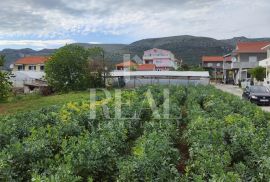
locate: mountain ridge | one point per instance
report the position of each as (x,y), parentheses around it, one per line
(186,47)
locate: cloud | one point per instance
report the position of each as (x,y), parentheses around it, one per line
(95,42)
(50,19)
(36,43)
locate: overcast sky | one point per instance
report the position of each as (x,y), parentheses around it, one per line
(52,23)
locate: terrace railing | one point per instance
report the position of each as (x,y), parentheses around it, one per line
(238,65)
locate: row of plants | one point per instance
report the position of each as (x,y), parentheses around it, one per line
(228,138)
(66,144)
(154,134)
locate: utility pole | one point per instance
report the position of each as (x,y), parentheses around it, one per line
(104,67)
(224,74)
(216,75)
(266,73)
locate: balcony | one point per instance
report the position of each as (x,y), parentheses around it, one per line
(227,66)
(155,56)
(238,65)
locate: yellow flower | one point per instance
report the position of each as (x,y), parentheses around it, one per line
(73,106)
(138,151)
(65,115)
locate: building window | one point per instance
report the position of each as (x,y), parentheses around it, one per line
(20,67)
(42,68)
(252,59)
(218,64)
(148,61)
(210,64)
(32,67)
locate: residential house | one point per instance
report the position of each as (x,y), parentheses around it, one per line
(215,65)
(266,63)
(31,63)
(28,73)
(163,59)
(246,56)
(126,66)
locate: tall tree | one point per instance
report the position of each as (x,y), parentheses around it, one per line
(5,83)
(2,60)
(68,68)
(97,66)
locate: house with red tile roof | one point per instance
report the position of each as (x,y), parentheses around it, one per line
(212,62)
(28,73)
(246,56)
(126,66)
(31,63)
(215,65)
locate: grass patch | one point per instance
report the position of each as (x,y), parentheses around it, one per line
(34,101)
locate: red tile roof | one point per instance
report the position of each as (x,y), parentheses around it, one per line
(146,67)
(228,59)
(212,58)
(32,60)
(251,47)
(126,64)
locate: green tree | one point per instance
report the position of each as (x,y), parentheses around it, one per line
(5,84)
(2,60)
(186,67)
(96,73)
(97,67)
(69,69)
(258,73)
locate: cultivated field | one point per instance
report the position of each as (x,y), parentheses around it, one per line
(155,134)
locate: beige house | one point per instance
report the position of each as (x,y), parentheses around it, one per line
(28,73)
(33,63)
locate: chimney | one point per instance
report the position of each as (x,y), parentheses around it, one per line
(126,57)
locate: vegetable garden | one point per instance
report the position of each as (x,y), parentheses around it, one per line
(208,135)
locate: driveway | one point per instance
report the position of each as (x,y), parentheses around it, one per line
(235,90)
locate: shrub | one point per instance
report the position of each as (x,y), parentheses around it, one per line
(5,86)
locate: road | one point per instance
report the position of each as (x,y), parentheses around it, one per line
(235,90)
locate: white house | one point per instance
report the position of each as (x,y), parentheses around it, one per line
(266,64)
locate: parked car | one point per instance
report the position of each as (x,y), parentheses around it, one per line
(259,95)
